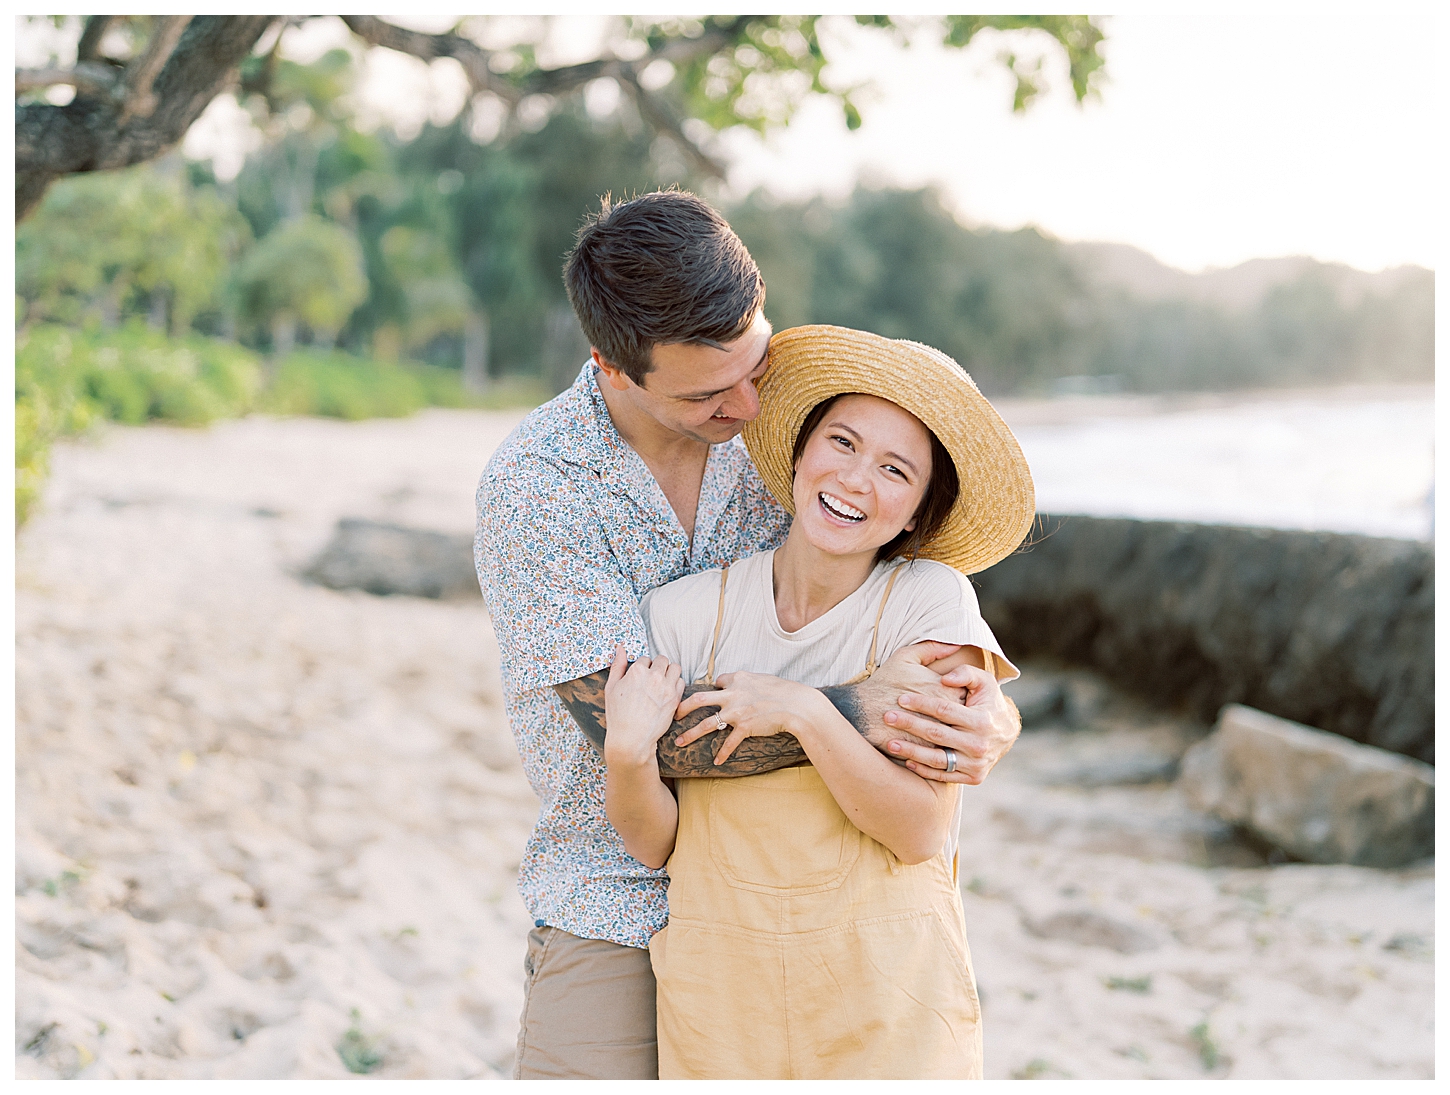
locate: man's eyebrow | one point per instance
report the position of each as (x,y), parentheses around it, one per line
(720,391)
(838,425)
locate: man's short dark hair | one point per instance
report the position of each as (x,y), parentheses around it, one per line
(657,269)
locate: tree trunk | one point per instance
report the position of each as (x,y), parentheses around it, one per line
(284,335)
(475,351)
(111,305)
(156,311)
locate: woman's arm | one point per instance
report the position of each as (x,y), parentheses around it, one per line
(890,804)
(640,703)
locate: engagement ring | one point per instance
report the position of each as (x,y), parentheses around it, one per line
(720,723)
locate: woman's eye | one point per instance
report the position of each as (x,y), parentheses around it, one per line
(845,441)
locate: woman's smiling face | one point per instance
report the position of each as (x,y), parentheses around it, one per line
(861,475)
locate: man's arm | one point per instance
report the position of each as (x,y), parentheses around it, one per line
(862,705)
(584,698)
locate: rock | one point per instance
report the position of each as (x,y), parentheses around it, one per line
(1318,796)
(390,559)
(1332,630)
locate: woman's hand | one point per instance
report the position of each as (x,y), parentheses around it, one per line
(753,705)
(639,705)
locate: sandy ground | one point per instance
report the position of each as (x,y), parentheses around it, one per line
(265,828)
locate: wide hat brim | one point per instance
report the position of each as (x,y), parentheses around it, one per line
(995,504)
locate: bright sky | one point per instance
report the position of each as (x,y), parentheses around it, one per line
(1224,133)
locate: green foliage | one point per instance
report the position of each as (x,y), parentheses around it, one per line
(67,379)
(1140,985)
(359,1052)
(105,244)
(764,66)
(1019,314)
(337,385)
(1208,1049)
(308,270)
(1006,305)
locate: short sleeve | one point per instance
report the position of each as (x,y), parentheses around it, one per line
(557,598)
(931,601)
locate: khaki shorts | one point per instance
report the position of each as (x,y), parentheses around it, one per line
(589,1011)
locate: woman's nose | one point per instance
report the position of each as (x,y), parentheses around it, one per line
(853,475)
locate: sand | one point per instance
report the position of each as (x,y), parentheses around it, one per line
(265,829)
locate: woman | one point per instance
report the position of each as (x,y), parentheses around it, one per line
(815,929)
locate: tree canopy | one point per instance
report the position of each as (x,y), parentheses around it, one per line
(140,81)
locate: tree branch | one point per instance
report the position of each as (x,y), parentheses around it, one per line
(89,133)
(662,119)
(142,72)
(88,78)
(560,81)
(428,47)
(89,48)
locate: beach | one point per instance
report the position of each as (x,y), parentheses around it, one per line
(270,830)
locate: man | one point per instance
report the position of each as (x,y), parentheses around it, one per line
(634,477)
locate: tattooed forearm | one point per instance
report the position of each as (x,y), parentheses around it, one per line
(584,697)
(751,757)
(585,700)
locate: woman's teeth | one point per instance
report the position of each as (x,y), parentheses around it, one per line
(840,509)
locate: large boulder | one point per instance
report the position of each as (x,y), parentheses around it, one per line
(1318,796)
(390,559)
(1332,630)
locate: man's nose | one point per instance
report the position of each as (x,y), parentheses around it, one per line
(742,402)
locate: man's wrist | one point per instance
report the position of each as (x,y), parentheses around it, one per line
(847,700)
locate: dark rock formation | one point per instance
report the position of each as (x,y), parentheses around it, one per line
(390,559)
(1331,630)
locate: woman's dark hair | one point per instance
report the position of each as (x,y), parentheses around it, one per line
(658,269)
(936,503)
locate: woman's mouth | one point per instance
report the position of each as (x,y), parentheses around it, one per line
(839,509)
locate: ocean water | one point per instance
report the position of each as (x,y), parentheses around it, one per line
(1343,460)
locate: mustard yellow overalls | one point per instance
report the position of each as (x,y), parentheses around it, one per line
(800,948)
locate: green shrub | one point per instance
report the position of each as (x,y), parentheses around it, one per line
(335,385)
(66,378)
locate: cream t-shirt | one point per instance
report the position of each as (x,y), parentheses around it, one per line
(929,600)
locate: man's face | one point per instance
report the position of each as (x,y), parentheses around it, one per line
(703,392)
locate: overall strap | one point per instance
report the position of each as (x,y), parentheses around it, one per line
(876,627)
(709,677)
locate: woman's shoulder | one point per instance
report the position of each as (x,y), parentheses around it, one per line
(681,591)
(930,579)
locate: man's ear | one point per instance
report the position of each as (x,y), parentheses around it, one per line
(612,373)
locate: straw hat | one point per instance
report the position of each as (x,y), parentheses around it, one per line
(807,365)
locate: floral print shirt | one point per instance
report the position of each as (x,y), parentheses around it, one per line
(572,531)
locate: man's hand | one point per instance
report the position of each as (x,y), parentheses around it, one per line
(978,732)
(916,669)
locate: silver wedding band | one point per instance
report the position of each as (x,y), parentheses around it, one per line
(720,723)
(951,760)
